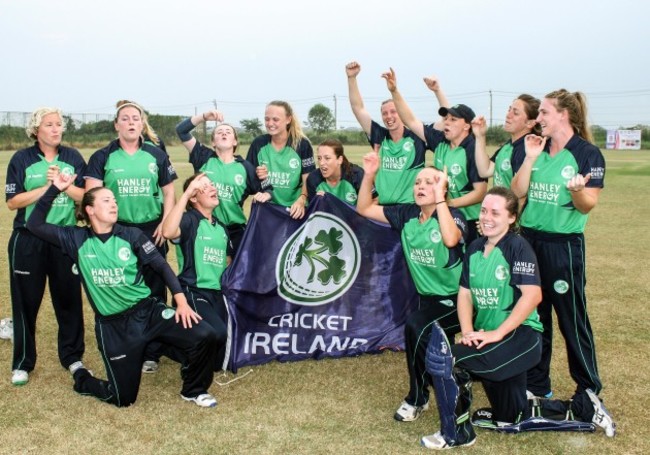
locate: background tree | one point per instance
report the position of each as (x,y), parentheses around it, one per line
(320,118)
(253,126)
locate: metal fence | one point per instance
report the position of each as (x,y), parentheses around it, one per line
(20,119)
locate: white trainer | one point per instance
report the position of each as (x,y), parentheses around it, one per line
(19,377)
(437,442)
(205,400)
(149,366)
(602,417)
(408,412)
(6,329)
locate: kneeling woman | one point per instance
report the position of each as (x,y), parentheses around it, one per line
(110,258)
(206,252)
(432,239)
(501,332)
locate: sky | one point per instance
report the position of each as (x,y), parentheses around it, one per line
(181,57)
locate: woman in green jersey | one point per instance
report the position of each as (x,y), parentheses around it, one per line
(335,174)
(562,184)
(432,237)
(206,252)
(283,158)
(521,119)
(33,261)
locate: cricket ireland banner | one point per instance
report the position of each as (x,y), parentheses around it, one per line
(333,284)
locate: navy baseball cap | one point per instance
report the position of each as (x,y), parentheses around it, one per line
(459,111)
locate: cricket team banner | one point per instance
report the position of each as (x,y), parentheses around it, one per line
(333,284)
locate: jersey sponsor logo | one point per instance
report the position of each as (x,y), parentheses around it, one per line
(501,273)
(456,169)
(435,236)
(294,163)
(171,170)
(124,253)
(10,188)
(568,172)
(393,163)
(239,179)
(505,165)
(319,262)
(168,313)
(486,297)
(561,286)
(597,172)
(447,302)
(153,168)
(350,197)
(523,268)
(307,162)
(148,247)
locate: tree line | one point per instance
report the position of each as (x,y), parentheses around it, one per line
(320,125)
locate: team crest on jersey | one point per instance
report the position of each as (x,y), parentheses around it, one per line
(501,273)
(505,165)
(67,171)
(455,169)
(435,236)
(407,147)
(319,262)
(239,180)
(568,172)
(561,286)
(351,197)
(168,313)
(153,168)
(294,163)
(124,253)
(447,302)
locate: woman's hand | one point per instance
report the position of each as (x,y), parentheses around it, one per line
(391,80)
(184,313)
(261,197)
(262,172)
(481,338)
(60,180)
(297,209)
(479,126)
(534,145)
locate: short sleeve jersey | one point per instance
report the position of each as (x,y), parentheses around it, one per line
(111,269)
(27,170)
(346,190)
(549,206)
(234,181)
(285,167)
(135,180)
(399,164)
(204,246)
(435,269)
(507,161)
(461,167)
(493,280)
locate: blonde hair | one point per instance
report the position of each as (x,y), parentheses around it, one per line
(294,128)
(147,131)
(36,119)
(576,105)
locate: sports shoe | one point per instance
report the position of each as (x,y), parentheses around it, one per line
(149,366)
(602,417)
(437,441)
(205,400)
(7,329)
(19,377)
(409,413)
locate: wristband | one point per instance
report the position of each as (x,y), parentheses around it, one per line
(183,130)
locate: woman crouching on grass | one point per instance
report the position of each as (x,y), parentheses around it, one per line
(110,258)
(206,252)
(432,239)
(501,338)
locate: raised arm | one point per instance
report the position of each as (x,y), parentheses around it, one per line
(404,111)
(184,128)
(449,230)
(483,163)
(37,220)
(171,223)
(433,84)
(352,69)
(366,206)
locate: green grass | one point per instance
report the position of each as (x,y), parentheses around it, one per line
(344,406)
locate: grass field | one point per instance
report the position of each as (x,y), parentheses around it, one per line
(344,406)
